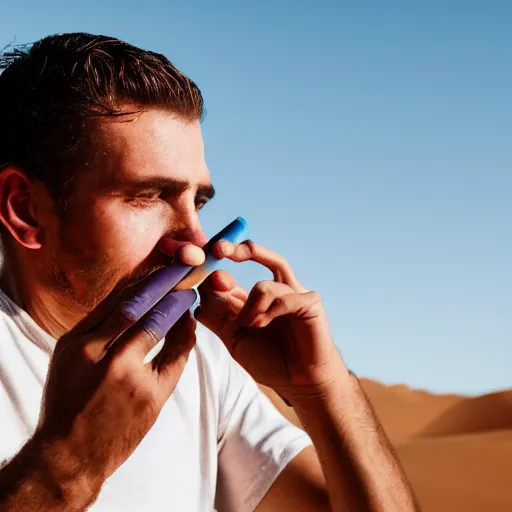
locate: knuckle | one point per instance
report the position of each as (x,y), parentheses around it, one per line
(119,322)
(130,381)
(249,246)
(148,338)
(125,318)
(118,369)
(130,310)
(144,394)
(141,393)
(315,297)
(154,327)
(279,302)
(264,287)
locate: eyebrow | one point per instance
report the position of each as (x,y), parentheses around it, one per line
(170,186)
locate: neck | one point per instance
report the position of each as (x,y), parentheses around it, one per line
(51,310)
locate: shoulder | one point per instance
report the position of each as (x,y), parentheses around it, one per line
(17,325)
(211,361)
(219,371)
(209,348)
(10,329)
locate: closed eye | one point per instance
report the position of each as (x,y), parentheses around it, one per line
(144,198)
(201,202)
(148,195)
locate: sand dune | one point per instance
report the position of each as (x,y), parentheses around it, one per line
(466,473)
(405,412)
(481,414)
(456,450)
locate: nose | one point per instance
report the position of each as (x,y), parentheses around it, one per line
(198,236)
(188,231)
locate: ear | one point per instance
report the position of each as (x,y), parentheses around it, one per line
(20,206)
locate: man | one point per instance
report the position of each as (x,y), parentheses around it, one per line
(102,178)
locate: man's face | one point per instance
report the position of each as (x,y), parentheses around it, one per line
(145,190)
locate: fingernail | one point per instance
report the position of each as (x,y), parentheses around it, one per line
(168,311)
(236,302)
(223,246)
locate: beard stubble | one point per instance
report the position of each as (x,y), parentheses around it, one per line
(83,278)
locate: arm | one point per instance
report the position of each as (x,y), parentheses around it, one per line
(361,469)
(279,333)
(100,400)
(300,487)
(360,466)
(39,479)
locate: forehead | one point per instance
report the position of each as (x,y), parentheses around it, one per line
(155,143)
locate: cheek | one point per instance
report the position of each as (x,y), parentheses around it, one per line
(128,234)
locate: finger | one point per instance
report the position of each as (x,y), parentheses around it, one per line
(235,301)
(249,250)
(115,324)
(219,281)
(239,292)
(152,289)
(260,299)
(154,327)
(156,324)
(191,255)
(134,301)
(305,306)
(183,252)
(221,292)
(167,312)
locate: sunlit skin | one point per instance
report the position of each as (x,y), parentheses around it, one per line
(146,195)
(135,210)
(127,216)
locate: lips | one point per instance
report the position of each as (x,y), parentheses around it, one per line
(169,246)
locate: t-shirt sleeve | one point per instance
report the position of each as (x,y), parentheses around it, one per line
(255,441)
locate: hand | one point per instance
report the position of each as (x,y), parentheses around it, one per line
(100,398)
(279,332)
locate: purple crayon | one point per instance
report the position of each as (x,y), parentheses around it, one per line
(156,286)
(167,312)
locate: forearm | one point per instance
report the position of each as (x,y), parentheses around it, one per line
(360,466)
(33,481)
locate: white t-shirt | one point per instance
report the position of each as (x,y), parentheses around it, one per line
(218,442)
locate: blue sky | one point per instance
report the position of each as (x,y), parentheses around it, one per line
(369,144)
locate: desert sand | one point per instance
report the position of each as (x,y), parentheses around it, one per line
(456,450)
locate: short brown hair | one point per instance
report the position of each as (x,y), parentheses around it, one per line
(53,91)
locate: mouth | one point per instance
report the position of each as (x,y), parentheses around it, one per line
(169,247)
(165,255)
